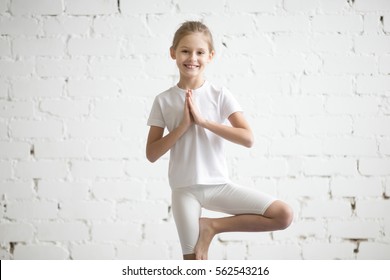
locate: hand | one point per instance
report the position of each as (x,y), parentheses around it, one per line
(196,116)
(187,119)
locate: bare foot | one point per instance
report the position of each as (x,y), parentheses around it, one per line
(206,235)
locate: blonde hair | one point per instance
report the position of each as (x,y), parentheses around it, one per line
(190,27)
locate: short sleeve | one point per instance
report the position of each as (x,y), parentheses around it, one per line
(156,117)
(228,104)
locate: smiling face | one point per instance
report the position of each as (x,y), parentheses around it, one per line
(192,54)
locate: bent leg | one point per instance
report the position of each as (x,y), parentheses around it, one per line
(250,216)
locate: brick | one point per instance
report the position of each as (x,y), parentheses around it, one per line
(225,24)
(116,68)
(16,68)
(119,108)
(16,26)
(3,6)
(41,170)
(40,252)
(128,26)
(126,190)
(93,47)
(338,64)
(36,7)
(320,208)
(38,47)
(65,25)
(66,231)
(372,44)
(17,190)
(262,168)
(5,48)
(374,5)
(372,208)
(158,190)
(291,43)
(97,169)
(161,232)
(356,105)
(5,170)
(308,187)
(201,6)
(87,129)
(350,146)
(60,149)
(110,149)
(249,44)
(28,89)
(61,67)
(145,7)
(328,251)
(296,145)
(384,64)
(356,187)
(93,252)
(62,191)
(158,170)
(86,210)
(291,63)
(16,109)
(92,88)
(301,229)
(306,105)
(65,108)
(378,85)
(142,251)
(354,229)
(313,84)
(334,43)
(325,125)
(374,251)
(252,6)
(272,252)
(320,166)
(300,6)
(374,166)
(142,211)
(116,232)
(273,126)
(91,7)
(332,6)
(16,232)
(372,126)
(36,129)
(4,86)
(9,150)
(244,237)
(286,23)
(337,23)
(384,146)
(31,210)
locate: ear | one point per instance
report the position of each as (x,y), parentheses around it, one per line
(173,53)
(211,55)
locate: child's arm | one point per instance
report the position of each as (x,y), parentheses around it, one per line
(157,145)
(239,133)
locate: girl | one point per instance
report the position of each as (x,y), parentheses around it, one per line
(194,112)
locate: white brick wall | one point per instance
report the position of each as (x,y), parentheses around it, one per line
(77,80)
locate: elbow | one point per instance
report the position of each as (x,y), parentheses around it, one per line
(151,157)
(249,141)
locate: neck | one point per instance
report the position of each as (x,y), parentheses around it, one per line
(190,84)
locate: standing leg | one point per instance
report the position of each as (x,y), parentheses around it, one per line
(186,212)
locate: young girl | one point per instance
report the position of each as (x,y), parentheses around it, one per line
(194,112)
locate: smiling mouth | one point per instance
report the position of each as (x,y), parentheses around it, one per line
(191,66)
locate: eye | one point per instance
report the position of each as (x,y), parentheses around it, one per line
(201,53)
(184,51)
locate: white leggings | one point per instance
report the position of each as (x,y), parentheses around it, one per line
(187,203)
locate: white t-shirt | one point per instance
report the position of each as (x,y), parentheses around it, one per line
(198,156)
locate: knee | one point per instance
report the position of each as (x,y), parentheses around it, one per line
(286,216)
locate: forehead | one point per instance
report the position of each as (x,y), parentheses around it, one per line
(195,40)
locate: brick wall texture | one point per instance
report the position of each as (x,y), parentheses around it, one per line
(77,81)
